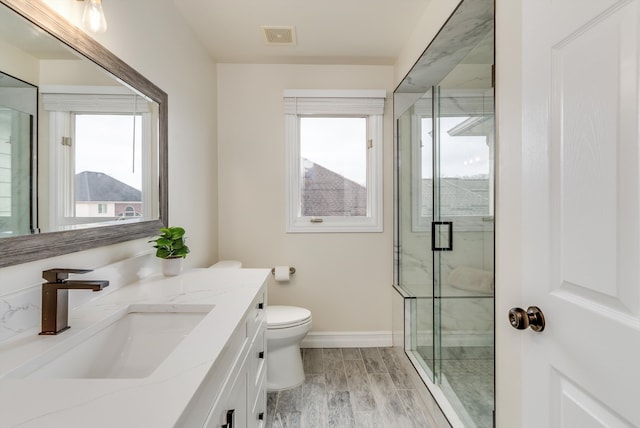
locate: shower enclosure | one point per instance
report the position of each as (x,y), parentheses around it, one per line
(444,115)
(17,128)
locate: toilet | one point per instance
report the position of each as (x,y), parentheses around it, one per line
(227,264)
(286,327)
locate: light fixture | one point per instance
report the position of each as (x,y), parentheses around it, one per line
(93,16)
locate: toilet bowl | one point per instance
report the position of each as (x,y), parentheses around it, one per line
(286,327)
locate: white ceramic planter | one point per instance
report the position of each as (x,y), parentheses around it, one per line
(172,267)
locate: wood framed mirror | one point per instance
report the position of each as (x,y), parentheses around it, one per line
(71,203)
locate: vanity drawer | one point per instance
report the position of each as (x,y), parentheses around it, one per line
(258,356)
(257,313)
(258,417)
(231,410)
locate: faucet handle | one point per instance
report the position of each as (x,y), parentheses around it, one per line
(60,274)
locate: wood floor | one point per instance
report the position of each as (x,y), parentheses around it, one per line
(353,387)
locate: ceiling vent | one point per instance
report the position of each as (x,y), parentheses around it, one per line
(279,35)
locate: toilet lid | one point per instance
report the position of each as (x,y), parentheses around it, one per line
(281,316)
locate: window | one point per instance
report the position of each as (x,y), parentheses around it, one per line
(96,143)
(334,160)
(463,141)
(107,164)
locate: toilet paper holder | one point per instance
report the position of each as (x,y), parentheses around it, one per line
(292,270)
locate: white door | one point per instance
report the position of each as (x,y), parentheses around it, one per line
(581,212)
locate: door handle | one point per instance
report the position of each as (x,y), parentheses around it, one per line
(532,317)
(230,419)
(435,226)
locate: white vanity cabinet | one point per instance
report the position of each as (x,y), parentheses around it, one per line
(256,382)
(257,363)
(231,411)
(234,392)
(214,377)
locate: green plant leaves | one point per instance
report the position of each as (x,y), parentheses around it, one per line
(172,232)
(163,253)
(170,243)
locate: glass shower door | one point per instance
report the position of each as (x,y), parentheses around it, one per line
(15,172)
(415,190)
(444,115)
(463,251)
(445,226)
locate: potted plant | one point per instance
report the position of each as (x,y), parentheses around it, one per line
(172,249)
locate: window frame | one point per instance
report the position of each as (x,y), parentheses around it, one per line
(334,103)
(471,106)
(62,104)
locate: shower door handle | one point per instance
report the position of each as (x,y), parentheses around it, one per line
(532,317)
(435,228)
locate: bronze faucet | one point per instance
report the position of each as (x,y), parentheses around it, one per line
(55,297)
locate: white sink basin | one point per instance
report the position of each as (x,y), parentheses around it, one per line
(130,344)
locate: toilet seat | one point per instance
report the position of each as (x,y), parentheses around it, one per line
(279,317)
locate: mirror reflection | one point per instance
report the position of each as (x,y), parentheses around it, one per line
(78,148)
(18,108)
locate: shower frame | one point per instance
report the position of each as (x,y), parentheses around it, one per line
(423,78)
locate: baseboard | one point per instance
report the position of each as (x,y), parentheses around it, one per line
(347,339)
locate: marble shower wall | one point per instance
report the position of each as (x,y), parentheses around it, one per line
(464,321)
(464,30)
(466,318)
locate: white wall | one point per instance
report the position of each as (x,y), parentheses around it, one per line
(508,210)
(15,62)
(344,279)
(151,36)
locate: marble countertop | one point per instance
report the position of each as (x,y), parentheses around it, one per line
(154,401)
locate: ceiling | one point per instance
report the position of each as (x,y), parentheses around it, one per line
(327,31)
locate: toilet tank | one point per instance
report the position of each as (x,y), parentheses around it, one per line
(227,264)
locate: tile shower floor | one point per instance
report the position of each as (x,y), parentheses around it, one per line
(352,387)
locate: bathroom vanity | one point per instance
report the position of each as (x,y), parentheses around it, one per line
(185,351)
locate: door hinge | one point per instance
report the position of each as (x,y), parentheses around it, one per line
(369,144)
(493,75)
(66,141)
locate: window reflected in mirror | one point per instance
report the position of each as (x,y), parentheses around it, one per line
(112,188)
(78,147)
(101,151)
